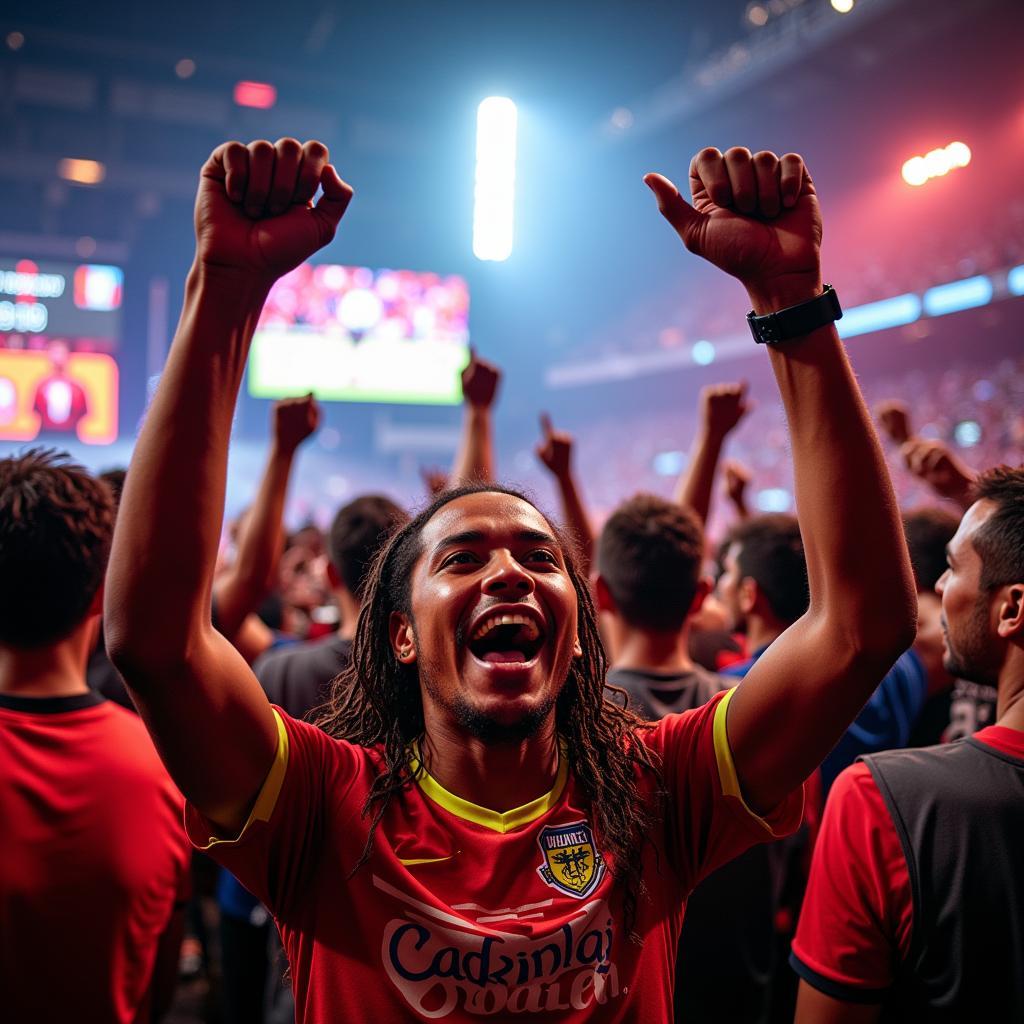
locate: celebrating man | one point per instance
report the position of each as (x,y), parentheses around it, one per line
(476,828)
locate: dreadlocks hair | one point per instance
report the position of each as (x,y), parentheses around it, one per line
(376,701)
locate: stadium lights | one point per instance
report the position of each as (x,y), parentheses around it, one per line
(842,6)
(494,188)
(878,316)
(703,353)
(260,95)
(82,172)
(919,169)
(957,295)
(1015,280)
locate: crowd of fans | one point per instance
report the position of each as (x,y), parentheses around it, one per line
(362,783)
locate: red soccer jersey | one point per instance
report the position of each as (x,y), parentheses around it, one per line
(857,919)
(462,911)
(92,859)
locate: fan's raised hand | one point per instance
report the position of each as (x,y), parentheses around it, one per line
(254,209)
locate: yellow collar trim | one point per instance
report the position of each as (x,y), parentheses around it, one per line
(498,821)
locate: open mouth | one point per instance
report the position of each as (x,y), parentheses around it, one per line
(506,638)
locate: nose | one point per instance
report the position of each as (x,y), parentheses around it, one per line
(940,583)
(506,576)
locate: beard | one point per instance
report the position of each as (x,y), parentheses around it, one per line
(480,724)
(970,656)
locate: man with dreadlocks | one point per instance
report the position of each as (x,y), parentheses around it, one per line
(478,827)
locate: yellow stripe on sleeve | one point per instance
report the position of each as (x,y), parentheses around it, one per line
(727,768)
(271,789)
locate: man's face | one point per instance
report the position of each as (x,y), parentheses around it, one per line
(493,626)
(727,590)
(972,646)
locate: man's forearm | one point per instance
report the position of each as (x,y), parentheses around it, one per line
(575,517)
(165,546)
(857,564)
(697,482)
(242,588)
(475,458)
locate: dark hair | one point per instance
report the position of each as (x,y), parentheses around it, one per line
(377,701)
(771,553)
(357,533)
(999,541)
(928,531)
(114,479)
(56,523)
(649,554)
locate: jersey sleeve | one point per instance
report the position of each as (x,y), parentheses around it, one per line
(312,779)
(857,917)
(708,822)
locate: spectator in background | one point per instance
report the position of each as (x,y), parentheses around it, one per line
(649,586)
(93,856)
(915,907)
(296,678)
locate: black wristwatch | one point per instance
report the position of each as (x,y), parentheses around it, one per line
(794,321)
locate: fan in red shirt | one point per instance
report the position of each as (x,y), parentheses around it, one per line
(93,858)
(477,827)
(915,909)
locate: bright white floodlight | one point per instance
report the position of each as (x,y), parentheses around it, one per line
(494,189)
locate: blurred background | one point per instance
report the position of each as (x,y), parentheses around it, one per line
(596,313)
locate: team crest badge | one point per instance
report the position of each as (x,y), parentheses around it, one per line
(572,863)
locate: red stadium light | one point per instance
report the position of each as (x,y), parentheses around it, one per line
(255,94)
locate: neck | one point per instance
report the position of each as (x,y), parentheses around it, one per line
(348,611)
(646,650)
(762,631)
(57,670)
(1010,701)
(498,776)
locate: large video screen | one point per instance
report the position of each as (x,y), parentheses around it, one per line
(59,327)
(360,335)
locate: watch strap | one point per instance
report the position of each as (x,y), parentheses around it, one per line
(797,320)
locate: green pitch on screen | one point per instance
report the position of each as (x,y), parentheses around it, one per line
(285,362)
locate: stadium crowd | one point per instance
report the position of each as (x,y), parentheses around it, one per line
(469,759)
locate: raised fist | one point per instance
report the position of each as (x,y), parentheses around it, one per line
(295,419)
(894,418)
(555,448)
(480,380)
(254,209)
(754,216)
(737,479)
(935,464)
(722,406)
(434,479)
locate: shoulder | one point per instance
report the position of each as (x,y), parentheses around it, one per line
(685,731)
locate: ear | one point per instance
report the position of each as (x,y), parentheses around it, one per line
(403,642)
(747,595)
(705,585)
(333,577)
(1010,624)
(605,601)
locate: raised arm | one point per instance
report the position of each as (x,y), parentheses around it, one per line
(757,218)
(931,461)
(239,591)
(722,406)
(254,221)
(737,480)
(555,452)
(474,460)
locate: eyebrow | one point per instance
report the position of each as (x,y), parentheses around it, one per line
(949,554)
(478,537)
